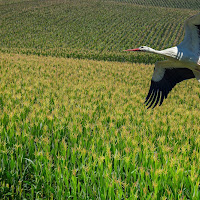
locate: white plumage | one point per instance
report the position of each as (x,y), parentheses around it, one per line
(183,62)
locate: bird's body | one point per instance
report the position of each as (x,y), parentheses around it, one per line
(183,62)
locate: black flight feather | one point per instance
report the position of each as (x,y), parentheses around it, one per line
(159,90)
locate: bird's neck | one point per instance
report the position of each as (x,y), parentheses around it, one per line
(170,52)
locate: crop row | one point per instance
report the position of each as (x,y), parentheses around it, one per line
(193,4)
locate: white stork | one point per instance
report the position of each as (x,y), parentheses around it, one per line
(183,63)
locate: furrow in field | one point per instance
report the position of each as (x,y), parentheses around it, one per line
(184,4)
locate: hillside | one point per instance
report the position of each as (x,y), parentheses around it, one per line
(89,29)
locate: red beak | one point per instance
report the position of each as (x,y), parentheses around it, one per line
(137,49)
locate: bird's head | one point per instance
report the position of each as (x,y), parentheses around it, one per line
(142,48)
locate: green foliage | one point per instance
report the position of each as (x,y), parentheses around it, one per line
(78,129)
(98,30)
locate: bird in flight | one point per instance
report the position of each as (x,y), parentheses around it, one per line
(183,62)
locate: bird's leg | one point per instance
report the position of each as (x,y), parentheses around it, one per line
(197,75)
(197,68)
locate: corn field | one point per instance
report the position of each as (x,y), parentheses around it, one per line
(78,129)
(73,124)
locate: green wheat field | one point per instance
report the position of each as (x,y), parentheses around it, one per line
(73,124)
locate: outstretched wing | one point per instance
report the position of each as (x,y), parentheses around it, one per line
(163,80)
(191,40)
